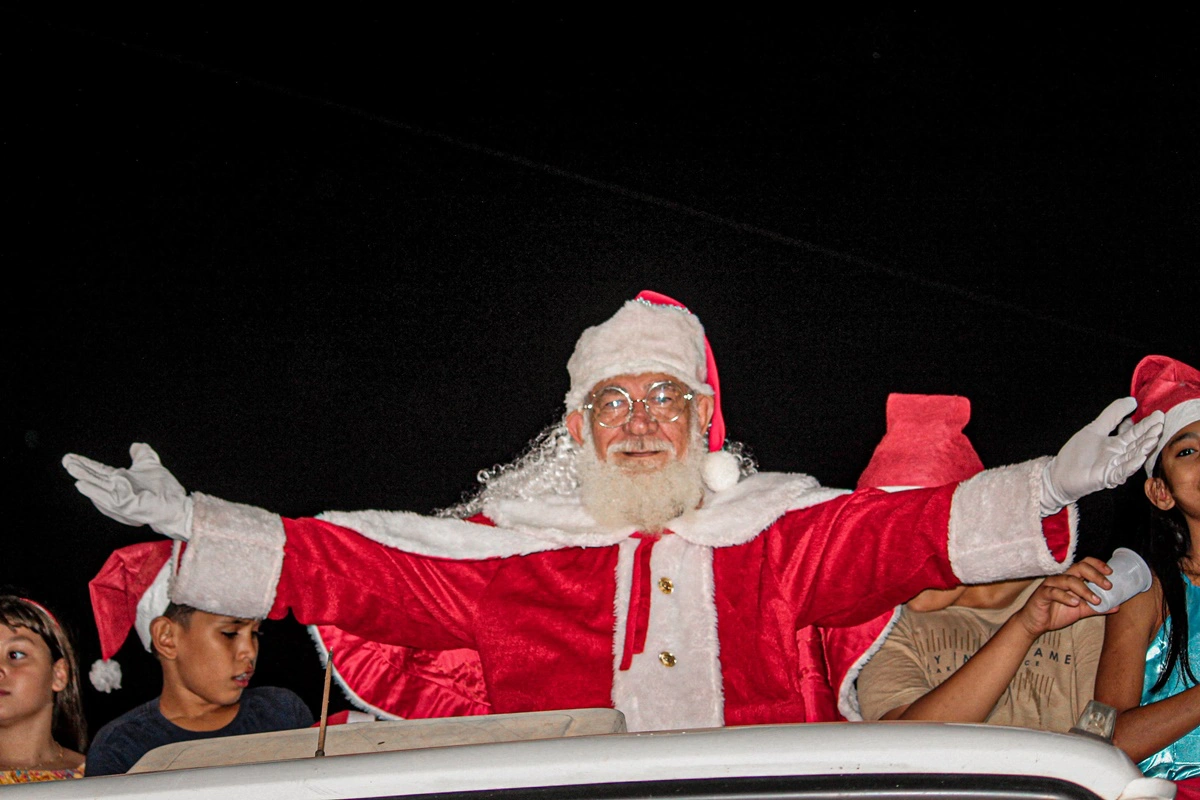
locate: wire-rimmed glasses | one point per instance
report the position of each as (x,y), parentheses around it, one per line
(612,406)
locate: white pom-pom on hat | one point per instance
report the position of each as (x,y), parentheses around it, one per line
(721,470)
(105,675)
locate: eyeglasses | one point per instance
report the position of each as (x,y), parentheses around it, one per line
(665,401)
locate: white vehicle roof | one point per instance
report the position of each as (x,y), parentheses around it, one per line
(844,760)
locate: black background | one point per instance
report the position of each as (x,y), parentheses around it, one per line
(339,262)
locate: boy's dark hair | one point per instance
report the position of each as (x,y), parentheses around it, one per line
(176,612)
(68,726)
(1166,545)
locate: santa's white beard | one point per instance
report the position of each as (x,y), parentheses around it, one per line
(647,500)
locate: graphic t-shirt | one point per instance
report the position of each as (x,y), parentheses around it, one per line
(1048,691)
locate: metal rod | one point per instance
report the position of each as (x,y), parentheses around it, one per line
(325,706)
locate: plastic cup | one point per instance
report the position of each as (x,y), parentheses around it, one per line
(1130,576)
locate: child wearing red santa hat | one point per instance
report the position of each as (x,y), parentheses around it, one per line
(207,662)
(1151,658)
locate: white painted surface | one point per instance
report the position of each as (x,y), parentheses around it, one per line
(776,750)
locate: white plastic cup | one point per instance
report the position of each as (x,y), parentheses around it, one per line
(1130,576)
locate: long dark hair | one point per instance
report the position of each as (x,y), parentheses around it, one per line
(1165,545)
(69,726)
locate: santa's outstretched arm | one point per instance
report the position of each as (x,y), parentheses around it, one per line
(857,556)
(235,561)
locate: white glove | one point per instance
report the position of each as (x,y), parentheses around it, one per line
(1092,460)
(144,494)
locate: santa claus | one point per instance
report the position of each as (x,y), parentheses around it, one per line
(622,562)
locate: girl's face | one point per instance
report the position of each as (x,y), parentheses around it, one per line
(29,676)
(1179,486)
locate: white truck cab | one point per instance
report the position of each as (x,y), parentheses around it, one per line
(587,754)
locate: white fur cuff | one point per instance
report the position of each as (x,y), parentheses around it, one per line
(233,560)
(996,526)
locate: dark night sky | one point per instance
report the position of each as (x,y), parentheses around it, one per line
(339,263)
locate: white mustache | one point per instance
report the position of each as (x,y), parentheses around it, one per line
(642,444)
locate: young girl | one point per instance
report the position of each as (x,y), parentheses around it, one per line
(42,728)
(1151,657)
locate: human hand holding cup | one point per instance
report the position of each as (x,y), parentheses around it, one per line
(1130,576)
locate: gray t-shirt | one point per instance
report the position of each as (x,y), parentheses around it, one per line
(120,743)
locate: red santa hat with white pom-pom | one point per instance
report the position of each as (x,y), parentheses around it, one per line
(131,589)
(654,333)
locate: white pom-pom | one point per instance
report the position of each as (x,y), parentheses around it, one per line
(721,470)
(105,675)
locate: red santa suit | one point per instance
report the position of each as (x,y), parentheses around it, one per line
(713,622)
(694,628)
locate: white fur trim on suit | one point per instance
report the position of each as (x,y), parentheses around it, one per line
(996,526)
(641,337)
(437,536)
(731,517)
(233,560)
(651,695)
(848,704)
(235,555)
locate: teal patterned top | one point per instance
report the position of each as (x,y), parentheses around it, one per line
(1180,759)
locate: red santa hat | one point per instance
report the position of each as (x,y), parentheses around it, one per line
(131,589)
(924,445)
(1162,383)
(654,333)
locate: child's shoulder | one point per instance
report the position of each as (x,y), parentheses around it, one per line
(273,708)
(122,741)
(137,717)
(271,694)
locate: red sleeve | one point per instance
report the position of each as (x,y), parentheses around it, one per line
(851,558)
(846,560)
(334,576)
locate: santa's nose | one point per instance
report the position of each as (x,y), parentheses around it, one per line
(640,420)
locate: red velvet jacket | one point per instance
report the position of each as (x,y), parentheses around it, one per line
(550,627)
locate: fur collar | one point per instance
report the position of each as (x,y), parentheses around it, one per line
(732,517)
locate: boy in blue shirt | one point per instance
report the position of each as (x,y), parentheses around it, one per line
(207,662)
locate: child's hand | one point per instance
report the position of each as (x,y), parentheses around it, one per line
(1063,599)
